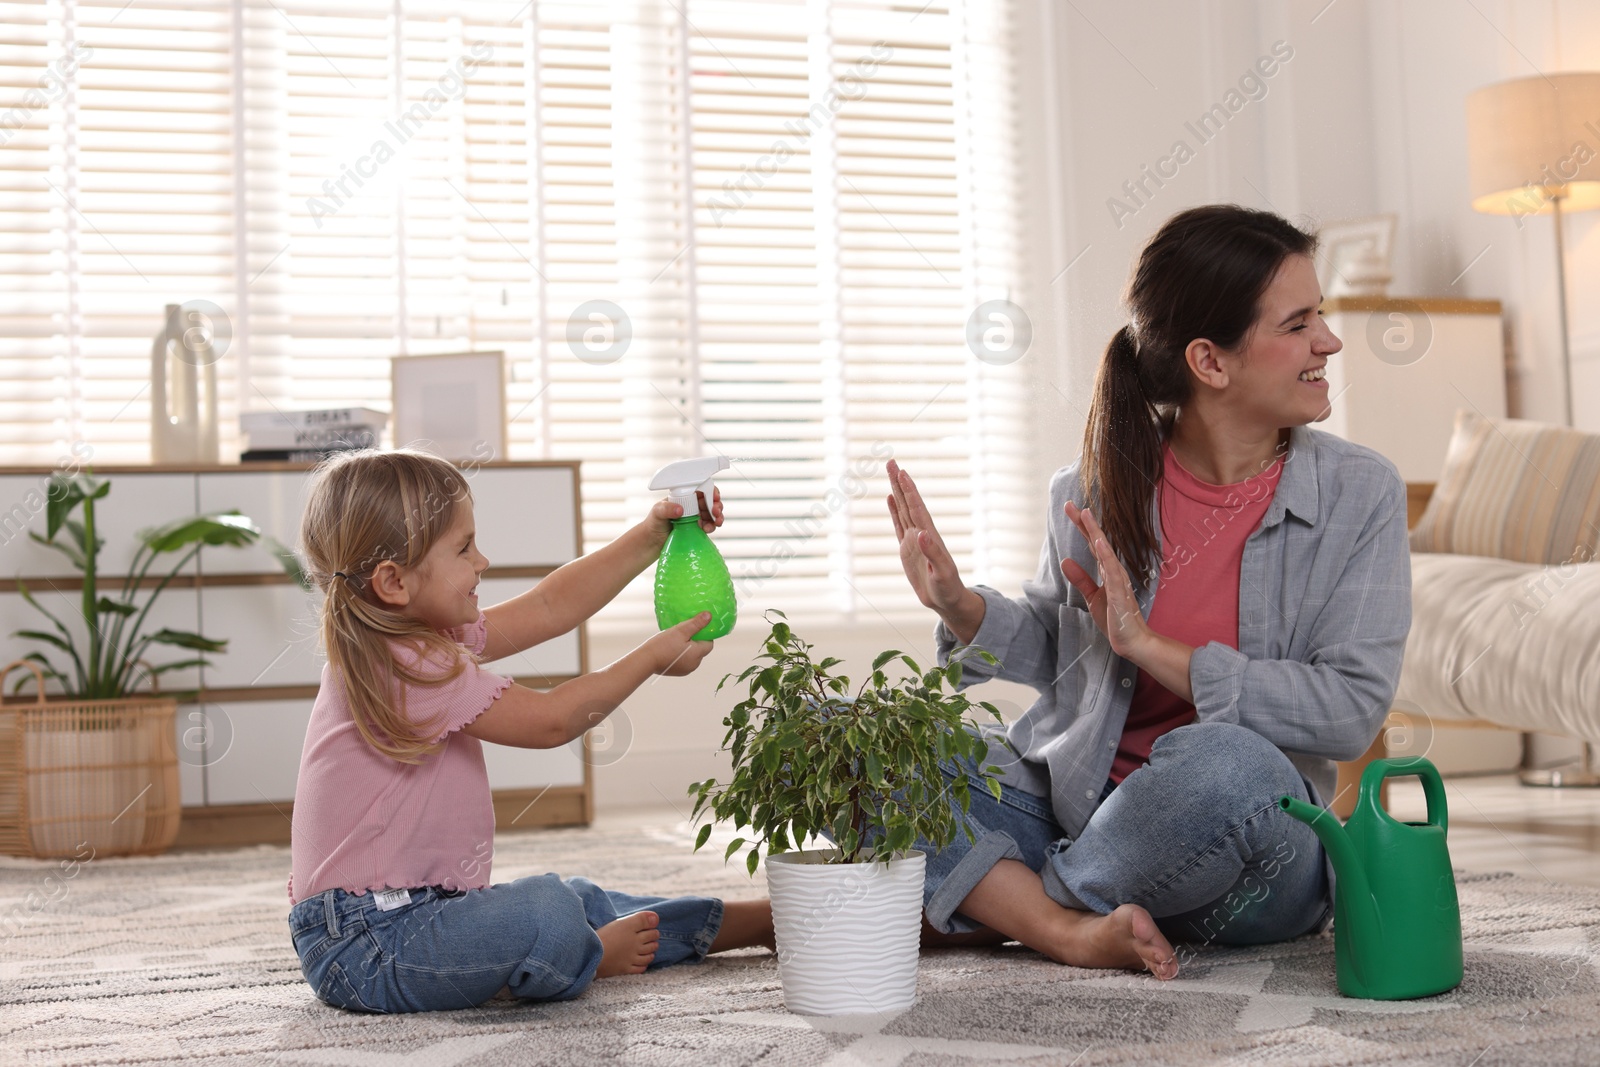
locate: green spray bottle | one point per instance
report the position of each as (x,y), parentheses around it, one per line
(691,575)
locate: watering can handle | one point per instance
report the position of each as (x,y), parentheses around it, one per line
(1432,784)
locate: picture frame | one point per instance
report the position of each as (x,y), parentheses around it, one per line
(452,404)
(1355,256)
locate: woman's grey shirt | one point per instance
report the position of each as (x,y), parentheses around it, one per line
(1324,608)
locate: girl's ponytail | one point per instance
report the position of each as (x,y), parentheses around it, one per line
(1200,277)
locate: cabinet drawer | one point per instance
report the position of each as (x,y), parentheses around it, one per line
(558,656)
(256,753)
(175,608)
(135,502)
(272,633)
(525,515)
(274,499)
(533,768)
(195,731)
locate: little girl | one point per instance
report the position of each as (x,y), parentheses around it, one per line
(393,825)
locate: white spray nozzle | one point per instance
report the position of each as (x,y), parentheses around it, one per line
(683,478)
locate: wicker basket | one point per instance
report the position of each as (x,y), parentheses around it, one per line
(80,775)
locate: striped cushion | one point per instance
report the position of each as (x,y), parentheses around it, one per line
(1515,490)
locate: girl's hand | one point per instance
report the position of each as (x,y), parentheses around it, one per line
(927,562)
(665,511)
(673,650)
(1112,604)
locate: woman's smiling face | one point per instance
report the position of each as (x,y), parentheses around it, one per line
(1278,379)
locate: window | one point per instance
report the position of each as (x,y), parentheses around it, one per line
(754,227)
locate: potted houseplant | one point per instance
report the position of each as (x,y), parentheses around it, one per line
(811,758)
(98,764)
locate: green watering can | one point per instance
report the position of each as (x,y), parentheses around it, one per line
(1397,923)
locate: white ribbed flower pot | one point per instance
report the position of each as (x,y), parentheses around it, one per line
(848,934)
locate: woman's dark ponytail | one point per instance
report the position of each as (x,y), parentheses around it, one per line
(1122,454)
(1201,276)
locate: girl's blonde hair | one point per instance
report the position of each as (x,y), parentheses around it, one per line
(367,506)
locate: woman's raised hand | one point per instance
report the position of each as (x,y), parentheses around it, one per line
(1112,604)
(928,565)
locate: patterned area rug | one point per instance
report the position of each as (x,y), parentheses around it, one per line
(186,959)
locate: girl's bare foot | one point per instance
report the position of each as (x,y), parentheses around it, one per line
(745,924)
(628,944)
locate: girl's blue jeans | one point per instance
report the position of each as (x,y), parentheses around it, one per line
(458,948)
(1195,836)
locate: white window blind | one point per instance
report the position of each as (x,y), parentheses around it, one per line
(795,205)
(115,199)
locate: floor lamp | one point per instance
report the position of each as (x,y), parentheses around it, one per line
(1533,148)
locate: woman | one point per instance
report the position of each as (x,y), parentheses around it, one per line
(1245,631)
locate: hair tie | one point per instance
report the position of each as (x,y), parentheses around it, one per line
(341,574)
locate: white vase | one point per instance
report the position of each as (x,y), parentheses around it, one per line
(848,934)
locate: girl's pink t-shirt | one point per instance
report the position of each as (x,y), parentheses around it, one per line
(363,821)
(1203,531)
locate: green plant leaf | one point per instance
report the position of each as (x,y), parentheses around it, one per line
(994,786)
(40,635)
(184,639)
(884,657)
(106,606)
(221,528)
(72,649)
(73,554)
(750,864)
(874,768)
(733,846)
(178,665)
(65,492)
(288,560)
(46,668)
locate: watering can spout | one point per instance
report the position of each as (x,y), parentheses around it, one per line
(1354,889)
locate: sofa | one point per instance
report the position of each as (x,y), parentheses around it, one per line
(1506,584)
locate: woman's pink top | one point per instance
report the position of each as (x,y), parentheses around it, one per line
(1203,531)
(364,821)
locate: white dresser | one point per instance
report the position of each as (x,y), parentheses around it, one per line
(239,744)
(1406,367)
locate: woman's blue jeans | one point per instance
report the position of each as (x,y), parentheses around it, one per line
(1195,837)
(458,948)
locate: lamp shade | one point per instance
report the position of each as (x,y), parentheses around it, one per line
(1530,139)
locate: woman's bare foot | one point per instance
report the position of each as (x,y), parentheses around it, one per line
(628,944)
(1012,900)
(745,924)
(1128,937)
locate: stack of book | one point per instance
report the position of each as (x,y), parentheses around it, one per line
(308,436)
